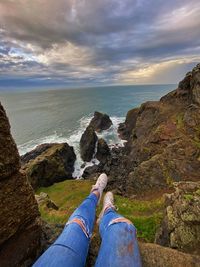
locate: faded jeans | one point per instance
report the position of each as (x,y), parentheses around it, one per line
(119,247)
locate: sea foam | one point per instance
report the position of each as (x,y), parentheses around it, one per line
(110,135)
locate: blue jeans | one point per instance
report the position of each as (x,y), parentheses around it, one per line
(119,247)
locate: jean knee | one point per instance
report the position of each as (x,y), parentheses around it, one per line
(124,222)
(82,223)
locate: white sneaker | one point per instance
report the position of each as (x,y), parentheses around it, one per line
(108,202)
(100,184)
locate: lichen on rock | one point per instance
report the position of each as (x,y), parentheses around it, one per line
(181,225)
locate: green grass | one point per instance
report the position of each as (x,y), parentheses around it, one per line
(67,195)
(179,121)
(188,197)
(146,215)
(196,143)
(198,192)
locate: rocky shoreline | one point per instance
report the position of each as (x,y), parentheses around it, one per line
(162,142)
(161,153)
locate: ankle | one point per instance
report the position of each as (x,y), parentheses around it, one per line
(96,192)
(109,207)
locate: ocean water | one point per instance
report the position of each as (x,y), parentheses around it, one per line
(47,116)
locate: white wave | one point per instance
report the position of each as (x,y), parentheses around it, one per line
(28,146)
(110,135)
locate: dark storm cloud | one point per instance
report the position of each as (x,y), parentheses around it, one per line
(96,41)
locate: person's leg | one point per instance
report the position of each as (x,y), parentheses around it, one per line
(119,247)
(71,247)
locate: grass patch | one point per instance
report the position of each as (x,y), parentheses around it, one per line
(196,142)
(188,197)
(146,215)
(67,195)
(179,121)
(198,192)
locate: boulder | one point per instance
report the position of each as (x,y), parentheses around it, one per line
(43,199)
(152,255)
(157,256)
(54,164)
(90,172)
(20,229)
(103,151)
(34,153)
(88,144)
(180,228)
(100,122)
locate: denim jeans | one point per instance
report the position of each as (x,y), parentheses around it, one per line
(119,247)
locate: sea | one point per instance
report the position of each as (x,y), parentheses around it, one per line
(40,116)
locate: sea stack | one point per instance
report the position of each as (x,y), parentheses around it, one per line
(100,122)
(88,143)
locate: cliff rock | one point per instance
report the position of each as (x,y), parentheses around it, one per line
(20,231)
(163,140)
(9,157)
(125,129)
(103,151)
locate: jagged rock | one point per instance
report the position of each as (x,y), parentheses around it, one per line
(43,199)
(20,230)
(125,129)
(103,151)
(188,91)
(163,141)
(9,157)
(100,122)
(103,154)
(195,85)
(90,171)
(122,131)
(180,228)
(49,233)
(88,143)
(34,153)
(54,164)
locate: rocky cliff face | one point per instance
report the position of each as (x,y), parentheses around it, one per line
(20,230)
(163,140)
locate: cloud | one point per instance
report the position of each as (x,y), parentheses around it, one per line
(81,42)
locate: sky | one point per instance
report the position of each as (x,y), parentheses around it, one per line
(97,42)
